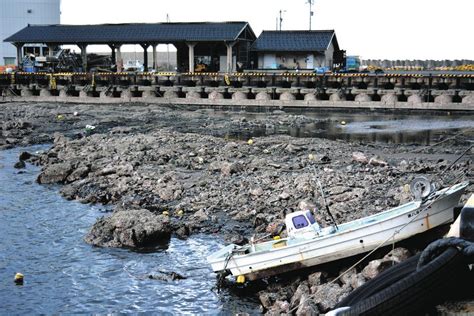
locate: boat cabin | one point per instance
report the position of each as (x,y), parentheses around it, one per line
(301,224)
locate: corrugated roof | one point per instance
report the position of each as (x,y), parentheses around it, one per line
(301,41)
(129,33)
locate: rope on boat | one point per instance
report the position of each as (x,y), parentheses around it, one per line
(367,255)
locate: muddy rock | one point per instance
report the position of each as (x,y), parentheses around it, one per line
(360,157)
(375,267)
(55,173)
(316,278)
(328,295)
(130,229)
(398,255)
(307,307)
(19,165)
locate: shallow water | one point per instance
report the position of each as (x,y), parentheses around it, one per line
(363,126)
(41,237)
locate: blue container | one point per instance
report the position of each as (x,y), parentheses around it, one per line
(29,69)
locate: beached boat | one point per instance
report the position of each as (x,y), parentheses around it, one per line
(308,245)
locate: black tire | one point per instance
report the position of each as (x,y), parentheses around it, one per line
(381,281)
(418,291)
(466,225)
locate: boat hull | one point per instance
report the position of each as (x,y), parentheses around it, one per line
(412,219)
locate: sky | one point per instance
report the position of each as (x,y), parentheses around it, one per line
(372,29)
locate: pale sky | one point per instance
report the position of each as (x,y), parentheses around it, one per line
(396,29)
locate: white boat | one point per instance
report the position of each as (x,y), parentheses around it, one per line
(308,245)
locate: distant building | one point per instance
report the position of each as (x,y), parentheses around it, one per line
(295,49)
(17,14)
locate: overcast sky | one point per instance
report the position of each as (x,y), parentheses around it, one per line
(388,29)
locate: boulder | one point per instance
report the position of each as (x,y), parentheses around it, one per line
(328,295)
(360,157)
(307,307)
(229,168)
(130,229)
(55,173)
(19,164)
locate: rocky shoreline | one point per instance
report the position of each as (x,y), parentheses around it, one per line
(172,172)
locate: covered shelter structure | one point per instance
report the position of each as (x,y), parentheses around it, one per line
(296,49)
(215,46)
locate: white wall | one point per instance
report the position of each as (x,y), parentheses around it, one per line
(14,15)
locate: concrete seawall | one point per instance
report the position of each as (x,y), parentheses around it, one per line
(266,90)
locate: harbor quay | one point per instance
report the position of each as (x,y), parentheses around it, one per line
(283,89)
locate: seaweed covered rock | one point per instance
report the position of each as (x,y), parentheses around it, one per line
(130,229)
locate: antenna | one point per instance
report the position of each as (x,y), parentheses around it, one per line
(281,17)
(311,13)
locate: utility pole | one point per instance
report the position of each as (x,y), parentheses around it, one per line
(311,3)
(281,17)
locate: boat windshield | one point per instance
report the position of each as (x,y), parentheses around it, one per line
(299,221)
(310,216)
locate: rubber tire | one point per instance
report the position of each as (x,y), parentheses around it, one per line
(381,281)
(419,290)
(466,225)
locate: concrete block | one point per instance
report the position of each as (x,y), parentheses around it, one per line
(469,99)
(363,97)
(310,97)
(193,95)
(26,92)
(170,94)
(443,99)
(389,99)
(149,94)
(414,99)
(44,93)
(262,96)
(215,95)
(336,97)
(239,95)
(287,96)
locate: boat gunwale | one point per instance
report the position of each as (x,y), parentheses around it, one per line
(421,204)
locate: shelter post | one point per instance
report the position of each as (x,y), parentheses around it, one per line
(119,60)
(191,56)
(145,57)
(154,57)
(113,56)
(83,48)
(230,65)
(19,55)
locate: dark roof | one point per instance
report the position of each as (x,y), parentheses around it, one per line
(130,33)
(294,41)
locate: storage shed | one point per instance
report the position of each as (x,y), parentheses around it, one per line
(296,49)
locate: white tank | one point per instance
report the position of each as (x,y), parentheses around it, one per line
(17,14)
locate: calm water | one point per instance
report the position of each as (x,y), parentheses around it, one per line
(41,236)
(367,127)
